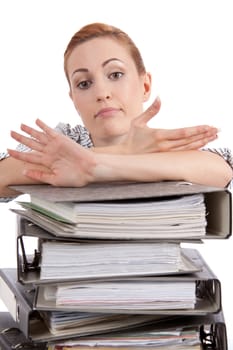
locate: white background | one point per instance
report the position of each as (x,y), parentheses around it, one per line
(186,45)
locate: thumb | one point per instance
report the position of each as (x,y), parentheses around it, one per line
(150,112)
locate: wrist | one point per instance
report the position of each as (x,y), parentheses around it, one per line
(108,168)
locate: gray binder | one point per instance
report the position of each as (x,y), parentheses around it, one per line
(25,302)
(208,292)
(218,201)
(28,265)
(21,303)
(212,329)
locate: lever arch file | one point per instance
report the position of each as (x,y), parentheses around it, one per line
(218,204)
(211,328)
(211,331)
(27,303)
(21,303)
(102,259)
(206,284)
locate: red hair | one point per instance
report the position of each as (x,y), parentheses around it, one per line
(97,30)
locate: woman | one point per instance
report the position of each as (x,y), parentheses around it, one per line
(108,86)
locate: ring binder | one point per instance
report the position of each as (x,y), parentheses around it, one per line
(12,338)
(30,266)
(26,265)
(218,203)
(212,330)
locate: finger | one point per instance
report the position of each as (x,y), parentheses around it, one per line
(27,141)
(191,143)
(202,142)
(150,112)
(38,135)
(49,131)
(202,130)
(189,132)
(200,138)
(30,157)
(195,145)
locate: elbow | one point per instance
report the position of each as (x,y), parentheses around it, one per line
(221,176)
(226,177)
(218,170)
(215,171)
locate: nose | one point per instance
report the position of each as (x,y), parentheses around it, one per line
(102,91)
(102,98)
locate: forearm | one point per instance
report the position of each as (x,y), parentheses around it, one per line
(11,173)
(194,166)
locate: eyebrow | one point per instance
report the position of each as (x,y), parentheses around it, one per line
(103,65)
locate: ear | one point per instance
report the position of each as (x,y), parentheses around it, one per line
(147,82)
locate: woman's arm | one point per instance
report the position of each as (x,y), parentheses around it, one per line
(11,173)
(200,167)
(70,164)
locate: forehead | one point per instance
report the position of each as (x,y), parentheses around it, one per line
(96,51)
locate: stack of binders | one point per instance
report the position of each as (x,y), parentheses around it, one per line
(109,270)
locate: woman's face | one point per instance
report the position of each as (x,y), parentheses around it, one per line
(106,89)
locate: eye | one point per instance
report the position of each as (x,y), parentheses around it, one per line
(116,75)
(84,85)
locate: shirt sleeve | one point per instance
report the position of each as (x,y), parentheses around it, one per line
(225,153)
(78,133)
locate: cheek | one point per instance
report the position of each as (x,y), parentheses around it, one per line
(134,101)
(80,105)
(134,91)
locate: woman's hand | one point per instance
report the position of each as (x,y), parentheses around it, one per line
(67,163)
(143,139)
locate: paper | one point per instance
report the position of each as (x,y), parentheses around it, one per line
(65,261)
(179,217)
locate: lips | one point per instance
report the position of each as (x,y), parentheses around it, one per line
(106,112)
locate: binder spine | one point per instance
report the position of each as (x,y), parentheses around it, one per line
(13,338)
(214,337)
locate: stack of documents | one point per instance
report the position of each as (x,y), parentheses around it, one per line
(179,339)
(137,295)
(177,333)
(108,269)
(180,217)
(166,210)
(70,260)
